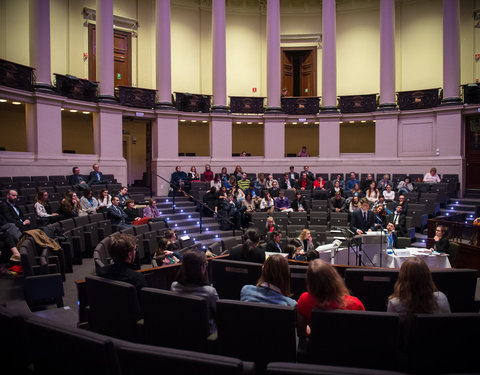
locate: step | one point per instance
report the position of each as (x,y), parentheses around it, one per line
(460,207)
(444,212)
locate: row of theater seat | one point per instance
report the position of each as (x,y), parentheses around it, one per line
(263,333)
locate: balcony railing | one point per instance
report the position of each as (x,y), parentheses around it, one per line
(136,97)
(357,103)
(187,102)
(76,88)
(419,99)
(246,104)
(16,76)
(302,105)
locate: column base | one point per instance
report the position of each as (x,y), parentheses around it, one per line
(220,109)
(44,87)
(451,101)
(165,106)
(329,109)
(387,107)
(273,110)
(107,99)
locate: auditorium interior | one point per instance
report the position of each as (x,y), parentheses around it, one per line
(141,87)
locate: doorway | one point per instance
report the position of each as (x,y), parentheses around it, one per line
(122,56)
(299,71)
(472,152)
(137,151)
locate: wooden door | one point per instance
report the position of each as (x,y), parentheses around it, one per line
(299,68)
(472,152)
(122,55)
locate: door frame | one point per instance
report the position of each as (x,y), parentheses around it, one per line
(314,50)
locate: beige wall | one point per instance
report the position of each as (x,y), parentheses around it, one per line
(357,138)
(135,132)
(12,127)
(77,132)
(248,138)
(194,137)
(297,136)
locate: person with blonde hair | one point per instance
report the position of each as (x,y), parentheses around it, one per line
(307,242)
(415,292)
(273,286)
(326,290)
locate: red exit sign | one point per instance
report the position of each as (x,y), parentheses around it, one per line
(254,89)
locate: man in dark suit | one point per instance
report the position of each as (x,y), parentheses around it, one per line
(12,214)
(286,182)
(273,246)
(96,177)
(117,215)
(292,174)
(304,183)
(337,203)
(77,181)
(399,220)
(363,220)
(310,175)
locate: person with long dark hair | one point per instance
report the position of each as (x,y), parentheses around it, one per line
(273,286)
(326,290)
(415,292)
(250,251)
(69,205)
(192,278)
(43,209)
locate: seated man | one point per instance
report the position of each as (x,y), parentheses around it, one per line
(77,181)
(339,178)
(304,183)
(399,220)
(274,190)
(363,219)
(351,182)
(122,249)
(123,196)
(12,214)
(293,175)
(310,175)
(243,183)
(179,179)
(117,215)
(365,184)
(96,177)
(229,213)
(273,246)
(282,203)
(382,184)
(287,183)
(337,203)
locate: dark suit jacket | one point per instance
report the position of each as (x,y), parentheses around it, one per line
(309,186)
(93,178)
(341,203)
(11,215)
(294,204)
(76,179)
(295,175)
(272,247)
(283,183)
(116,216)
(357,221)
(401,227)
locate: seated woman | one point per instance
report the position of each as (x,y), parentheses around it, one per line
(405,186)
(306,239)
(42,208)
(151,211)
(250,251)
(163,256)
(380,216)
(232,181)
(104,200)
(356,191)
(88,202)
(69,206)
(270,225)
(388,193)
(299,204)
(267,204)
(372,194)
(295,250)
(273,286)
(132,214)
(193,175)
(415,293)
(432,176)
(192,278)
(441,243)
(260,183)
(326,290)
(354,204)
(207,174)
(216,182)
(248,205)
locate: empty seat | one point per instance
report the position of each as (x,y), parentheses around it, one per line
(459,286)
(229,276)
(298,218)
(338,219)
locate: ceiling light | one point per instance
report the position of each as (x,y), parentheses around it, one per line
(182,120)
(363,121)
(352,122)
(73,110)
(16,103)
(3,100)
(86,112)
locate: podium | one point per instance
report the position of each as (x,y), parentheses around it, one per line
(371,247)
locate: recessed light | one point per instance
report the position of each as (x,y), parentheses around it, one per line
(182,120)
(16,103)
(194,120)
(249,123)
(238,122)
(260,123)
(86,112)
(62,109)
(204,121)
(294,123)
(73,110)
(3,100)
(352,122)
(305,123)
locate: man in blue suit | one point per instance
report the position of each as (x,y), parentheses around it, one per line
(363,219)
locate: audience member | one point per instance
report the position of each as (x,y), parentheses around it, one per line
(319,183)
(122,250)
(230,215)
(238,172)
(250,251)
(304,183)
(415,292)
(270,225)
(232,181)
(295,250)
(224,176)
(216,182)
(354,204)
(372,193)
(282,203)
(43,209)
(123,196)
(362,220)
(339,178)
(299,204)
(151,211)
(286,183)
(69,206)
(210,200)
(244,182)
(382,184)
(104,200)
(132,214)
(365,184)
(117,215)
(432,176)
(380,217)
(77,181)
(260,183)
(399,221)
(249,206)
(96,177)
(310,175)
(303,153)
(270,182)
(293,175)
(388,193)
(192,278)
(207,174)
(193,175)
(273,286)
(13,214)
(392,239)
(274,190)
(267,204)
(273,246)
(337,189)
(381,201)
(307,241)
(162,256)
(441,244)
(88,202)
(9,252)
(351,182)
(337,203)
(405,186)
(403,202)
(179,179)
(326,290)
(356,191)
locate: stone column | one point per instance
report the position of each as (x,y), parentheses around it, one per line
(163,55)
(219,60)
(220,137)
(273,56)
(40,44)
(387,54)
(329,57)
(104,50)
(274,137)
(451,52)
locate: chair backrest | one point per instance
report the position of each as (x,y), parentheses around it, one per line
(141,229)
(256,332)
(229,276)
(298,280)
(286,368)
(114,307)
(55,348)
(454,337)
(459,286)
(371,286)
(101,256)
(145,359)
(332,338)
(175,320)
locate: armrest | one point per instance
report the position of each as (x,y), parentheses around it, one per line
(43,287)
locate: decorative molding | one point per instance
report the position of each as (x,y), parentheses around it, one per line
(305,39)
(123,23)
